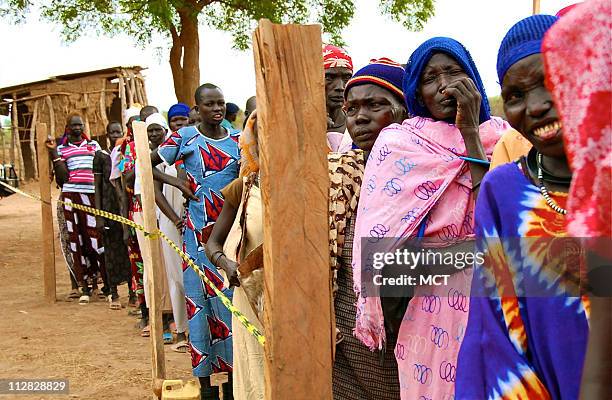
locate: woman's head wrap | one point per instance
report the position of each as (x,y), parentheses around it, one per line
(157,118)
(178,109)
(382,72)
(249,148)
(522,40)
(336,57)
(231,108)
(417,63)
(565,10)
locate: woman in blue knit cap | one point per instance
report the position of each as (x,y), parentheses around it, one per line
(528,328)
(178,116)
(421,180)
(373,100)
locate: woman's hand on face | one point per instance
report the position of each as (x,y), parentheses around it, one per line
(468,104)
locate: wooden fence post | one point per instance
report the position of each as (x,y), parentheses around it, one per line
(33,138)
(151,254)
(19,167)
(47,237)
(291,120)
(536,7)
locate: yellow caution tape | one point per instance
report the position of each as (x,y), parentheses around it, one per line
(155,235)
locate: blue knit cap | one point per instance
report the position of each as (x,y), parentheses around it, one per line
(522,40)
(417,63)
(382,72)
(181,109)
(231,108)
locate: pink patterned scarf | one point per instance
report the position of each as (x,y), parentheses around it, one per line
(578,61)
(414,172)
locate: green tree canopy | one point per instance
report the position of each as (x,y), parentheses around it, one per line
(178,20)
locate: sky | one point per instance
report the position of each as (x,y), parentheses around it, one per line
(35,51)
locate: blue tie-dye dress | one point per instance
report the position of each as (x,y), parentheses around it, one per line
(210,164)
(527,329)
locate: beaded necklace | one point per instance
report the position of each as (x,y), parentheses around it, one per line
(551,203)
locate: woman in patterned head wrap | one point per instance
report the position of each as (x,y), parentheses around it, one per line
(422,181)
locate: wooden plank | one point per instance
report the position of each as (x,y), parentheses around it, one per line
(151,254)
(51,115)
(17,140)
(103,109)
(33,138)
(86,117)
(123,100)
(47,222)
(292,123)
(536,7)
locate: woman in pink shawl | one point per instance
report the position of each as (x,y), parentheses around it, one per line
(422,179)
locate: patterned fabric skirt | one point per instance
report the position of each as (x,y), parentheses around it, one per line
(358,372)
(84,239)
(136,264)
(64,238)
(210,334)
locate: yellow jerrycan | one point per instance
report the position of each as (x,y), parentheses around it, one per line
(181,390)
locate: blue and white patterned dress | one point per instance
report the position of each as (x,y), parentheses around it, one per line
(210,164)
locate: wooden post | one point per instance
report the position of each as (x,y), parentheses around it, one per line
(536,7)
(33,138)
(17,140)
(2,131)
(86,117)
(123,101)
(142,88)
(12,149)
(133,88)
(46,215)
(151,254)
(292,125)
(51,115)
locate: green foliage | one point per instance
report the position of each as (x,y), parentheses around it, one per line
(412,14)
(141,19)
(14,10)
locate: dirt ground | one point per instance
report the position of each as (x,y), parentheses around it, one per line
(98,350)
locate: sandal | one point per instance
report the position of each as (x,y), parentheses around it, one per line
(180,347)
(135,313)
(83,300)
(114,304)
(73,295)
(146,331)
(167,337)
(98,295)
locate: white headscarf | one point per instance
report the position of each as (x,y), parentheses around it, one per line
(131,112)
(157,118)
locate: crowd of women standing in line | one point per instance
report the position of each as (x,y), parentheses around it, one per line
(423,124)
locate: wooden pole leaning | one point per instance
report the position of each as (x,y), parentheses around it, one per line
(536,7)
(151,255)
(291,122)
(47,237)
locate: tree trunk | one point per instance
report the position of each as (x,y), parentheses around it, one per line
(185,57)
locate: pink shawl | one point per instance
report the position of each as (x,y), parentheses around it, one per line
(413,172)
(578,61)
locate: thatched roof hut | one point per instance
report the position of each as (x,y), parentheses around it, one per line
(99,96)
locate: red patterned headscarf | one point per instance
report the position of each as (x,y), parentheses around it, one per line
(334,57)
(577,58)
